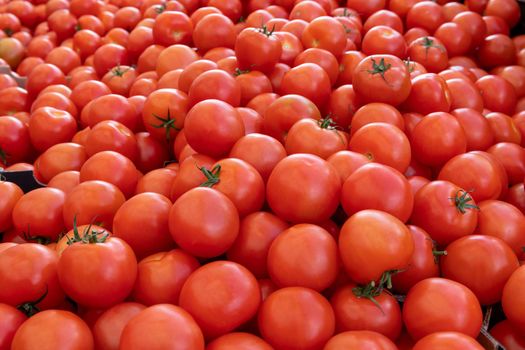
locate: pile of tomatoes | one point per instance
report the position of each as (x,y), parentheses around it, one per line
(261,174)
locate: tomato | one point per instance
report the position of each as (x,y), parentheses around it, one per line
(49,126)
(65,181)
(14,99)
(39,213)
(110,135)
(256,233)
(384,40)
(445,211)
(92,201)
(166,325)
(110,107)
(455,308)
(423,263)
(508,10)
(514,75)
(347,162)
(491,212)
(11,194)
(217,118)
(257,49)
(326,33)
(303,188)
(433,147)
(120,79)
(223,34)
(12,320)
(306,323)
(284,112)
(429,94)
(157,181)
(447,340)
(110,324)
(111,274)
(237,297)
(497,50)
(464,94)
(308,80)
(376,112)
(507,336)
(516,197)
(59,158)
(358,339)
(235,341)
(34,284)
(189,174)
(498,94)
(504,128)
(15,144)
(490,255)
(252,83)
(456,39)
(425,14)
(12,51)
(55,328)
(512,299)
(204,205)
(357,246)
(347,64)
(382,78)
(512,157)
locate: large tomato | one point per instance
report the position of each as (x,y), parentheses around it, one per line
(449,341)
(429,94)
(15,143)
(257,49)
(11,193)
(373,242)
(303,188)
(382,78)
(454,308)
(512,299)
(296,318)
(221,296)
(11,321)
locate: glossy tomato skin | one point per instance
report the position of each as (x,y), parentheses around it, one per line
(303,188)
(257,50)
(390,246)
(204,222)
(353,313)
(309,318)
(358,192)
(15,142)
(479,134)
(457,309)
(110,277)
(56,329)
(436,212)
(161,276)
(512,299)
(429,94)
(221,296)
(491,256)
(447,340)
(167,326)
(423,264)
(238,340)
(308,80)
(11,321)
(508,336)
(110,324)
(11,193)
(382,78)
(358,339)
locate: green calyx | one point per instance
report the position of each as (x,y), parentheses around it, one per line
(89,236)
(372,290)
(461,201)
(212,176)
(30,308)
(380,68)
(166,123)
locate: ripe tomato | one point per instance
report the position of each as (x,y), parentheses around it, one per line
(376,112)
(257,49)
(447,340)
(192,210)
(498,94)
(394,198)
(303,188)
(509,337)
(456,40)
(430,52)
(217,118)
(512,299)
(215,84)
(382,78)
(384,40)
(455,308)
(110,107)
(223,34)
(59,158)
(55,328)
(429,94)
(326,33)
(110,135)
(504,128)
(425,14)
(33,284)
(296,311)
(456,217)
(12,319)
(464,94)
(236,297)
(292,246)
(325,59)
(11,194)
(65,181)
(356,309)
(491,256)
(167,326)
(512,157)
(49,126)
(308,80)
(111,274)
(172,27)
(234,341)
(497,50)
(359,339)
(356,245)
(110,324)
(108,56)
(346,162)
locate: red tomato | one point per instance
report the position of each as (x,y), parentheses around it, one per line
(215,84)
(359,339)
(491,256)
(236,341)
(425,14)
(512,157)
(110,324)
(326,33)
(456,39)
(303,188)
(161,276)
(221,296)
(308,80)
(55,328)
(382,78)
(498,94)
(49,126)
(111,274)
(384,40)
(257,49)
(172,27)
(12,319)
(366,9)
(60,158)
(455,309)
(167,326)
(347,162)
(447,340)
(296,318)
(223,34)
(356,310)
(110,135)
(507,336)
(11,194)
(192,210)
(497,50)
(504,128)
(464,94)
(512,299)
(456,217)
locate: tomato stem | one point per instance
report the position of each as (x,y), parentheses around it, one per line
(239,71)
(90,236)
(461,201)
(167,123)
(265,30)
(212,177)
(161,8)
(30,308)
(380,68)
